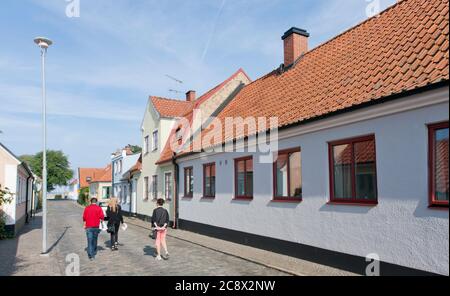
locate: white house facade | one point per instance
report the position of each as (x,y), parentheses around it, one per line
(17,177)
(401,227)
(159,125)
(357,170)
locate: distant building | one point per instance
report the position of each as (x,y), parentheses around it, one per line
(100,185)
(122,161)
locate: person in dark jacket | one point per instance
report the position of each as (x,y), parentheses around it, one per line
(160,222)
(114,218)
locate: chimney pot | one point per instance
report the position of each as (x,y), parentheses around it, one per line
(295,44)
(190,96)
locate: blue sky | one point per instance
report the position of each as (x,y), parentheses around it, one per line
(105,64)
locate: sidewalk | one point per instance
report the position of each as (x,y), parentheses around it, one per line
(21,256)
(282,263)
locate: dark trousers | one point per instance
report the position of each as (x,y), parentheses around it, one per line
(92,240)
(115,235)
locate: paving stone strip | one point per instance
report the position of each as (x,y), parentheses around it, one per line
(287,264)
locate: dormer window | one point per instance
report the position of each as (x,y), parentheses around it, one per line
(179,136)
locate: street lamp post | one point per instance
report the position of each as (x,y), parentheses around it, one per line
(44,44)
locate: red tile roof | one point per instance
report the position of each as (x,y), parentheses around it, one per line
(404,48)
(166,155)
(104,175)
(171,108)
(89,175)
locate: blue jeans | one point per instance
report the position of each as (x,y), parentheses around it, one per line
(92,237)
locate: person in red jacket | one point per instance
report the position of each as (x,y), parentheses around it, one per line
(92,217)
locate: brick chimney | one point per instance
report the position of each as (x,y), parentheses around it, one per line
(295,45)
(190,96)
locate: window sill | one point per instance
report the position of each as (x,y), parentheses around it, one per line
(287,200)
(243,198)
(356,204)
(438,207)
(209,197)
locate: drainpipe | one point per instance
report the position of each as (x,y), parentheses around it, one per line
(175,201)
(26,200)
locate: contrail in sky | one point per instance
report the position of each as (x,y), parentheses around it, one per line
(211,36)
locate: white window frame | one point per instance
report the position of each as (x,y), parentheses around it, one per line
(146,185)
(154,191)
(146,144)
(155,142)
(165,186)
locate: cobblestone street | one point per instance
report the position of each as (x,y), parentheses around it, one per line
(135,257)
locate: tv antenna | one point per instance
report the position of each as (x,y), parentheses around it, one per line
(175,91)
(174,79)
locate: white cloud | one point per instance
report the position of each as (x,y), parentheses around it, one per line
(21,99)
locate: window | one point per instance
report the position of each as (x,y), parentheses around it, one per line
(178,135)
(155,141)
(209,180)
(438,164)
(106,192)
(146,189)
(126,194)
(243,178)
(288,175)
(155,187)
(353,177)
(168,186)
(188,182)
(146,144)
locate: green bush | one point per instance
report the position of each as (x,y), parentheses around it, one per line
(3,233)
(83,197)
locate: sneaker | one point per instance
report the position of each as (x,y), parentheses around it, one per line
(166,257)
(158,258)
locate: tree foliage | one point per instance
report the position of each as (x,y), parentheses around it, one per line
(58,167)
(135,149)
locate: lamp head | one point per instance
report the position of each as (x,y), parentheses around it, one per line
(43,42)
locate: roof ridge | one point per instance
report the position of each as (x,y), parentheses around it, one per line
(387,9)
(168,99)
(333,38)
(223,83)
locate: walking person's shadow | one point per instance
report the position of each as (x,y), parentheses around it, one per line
(149,251)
